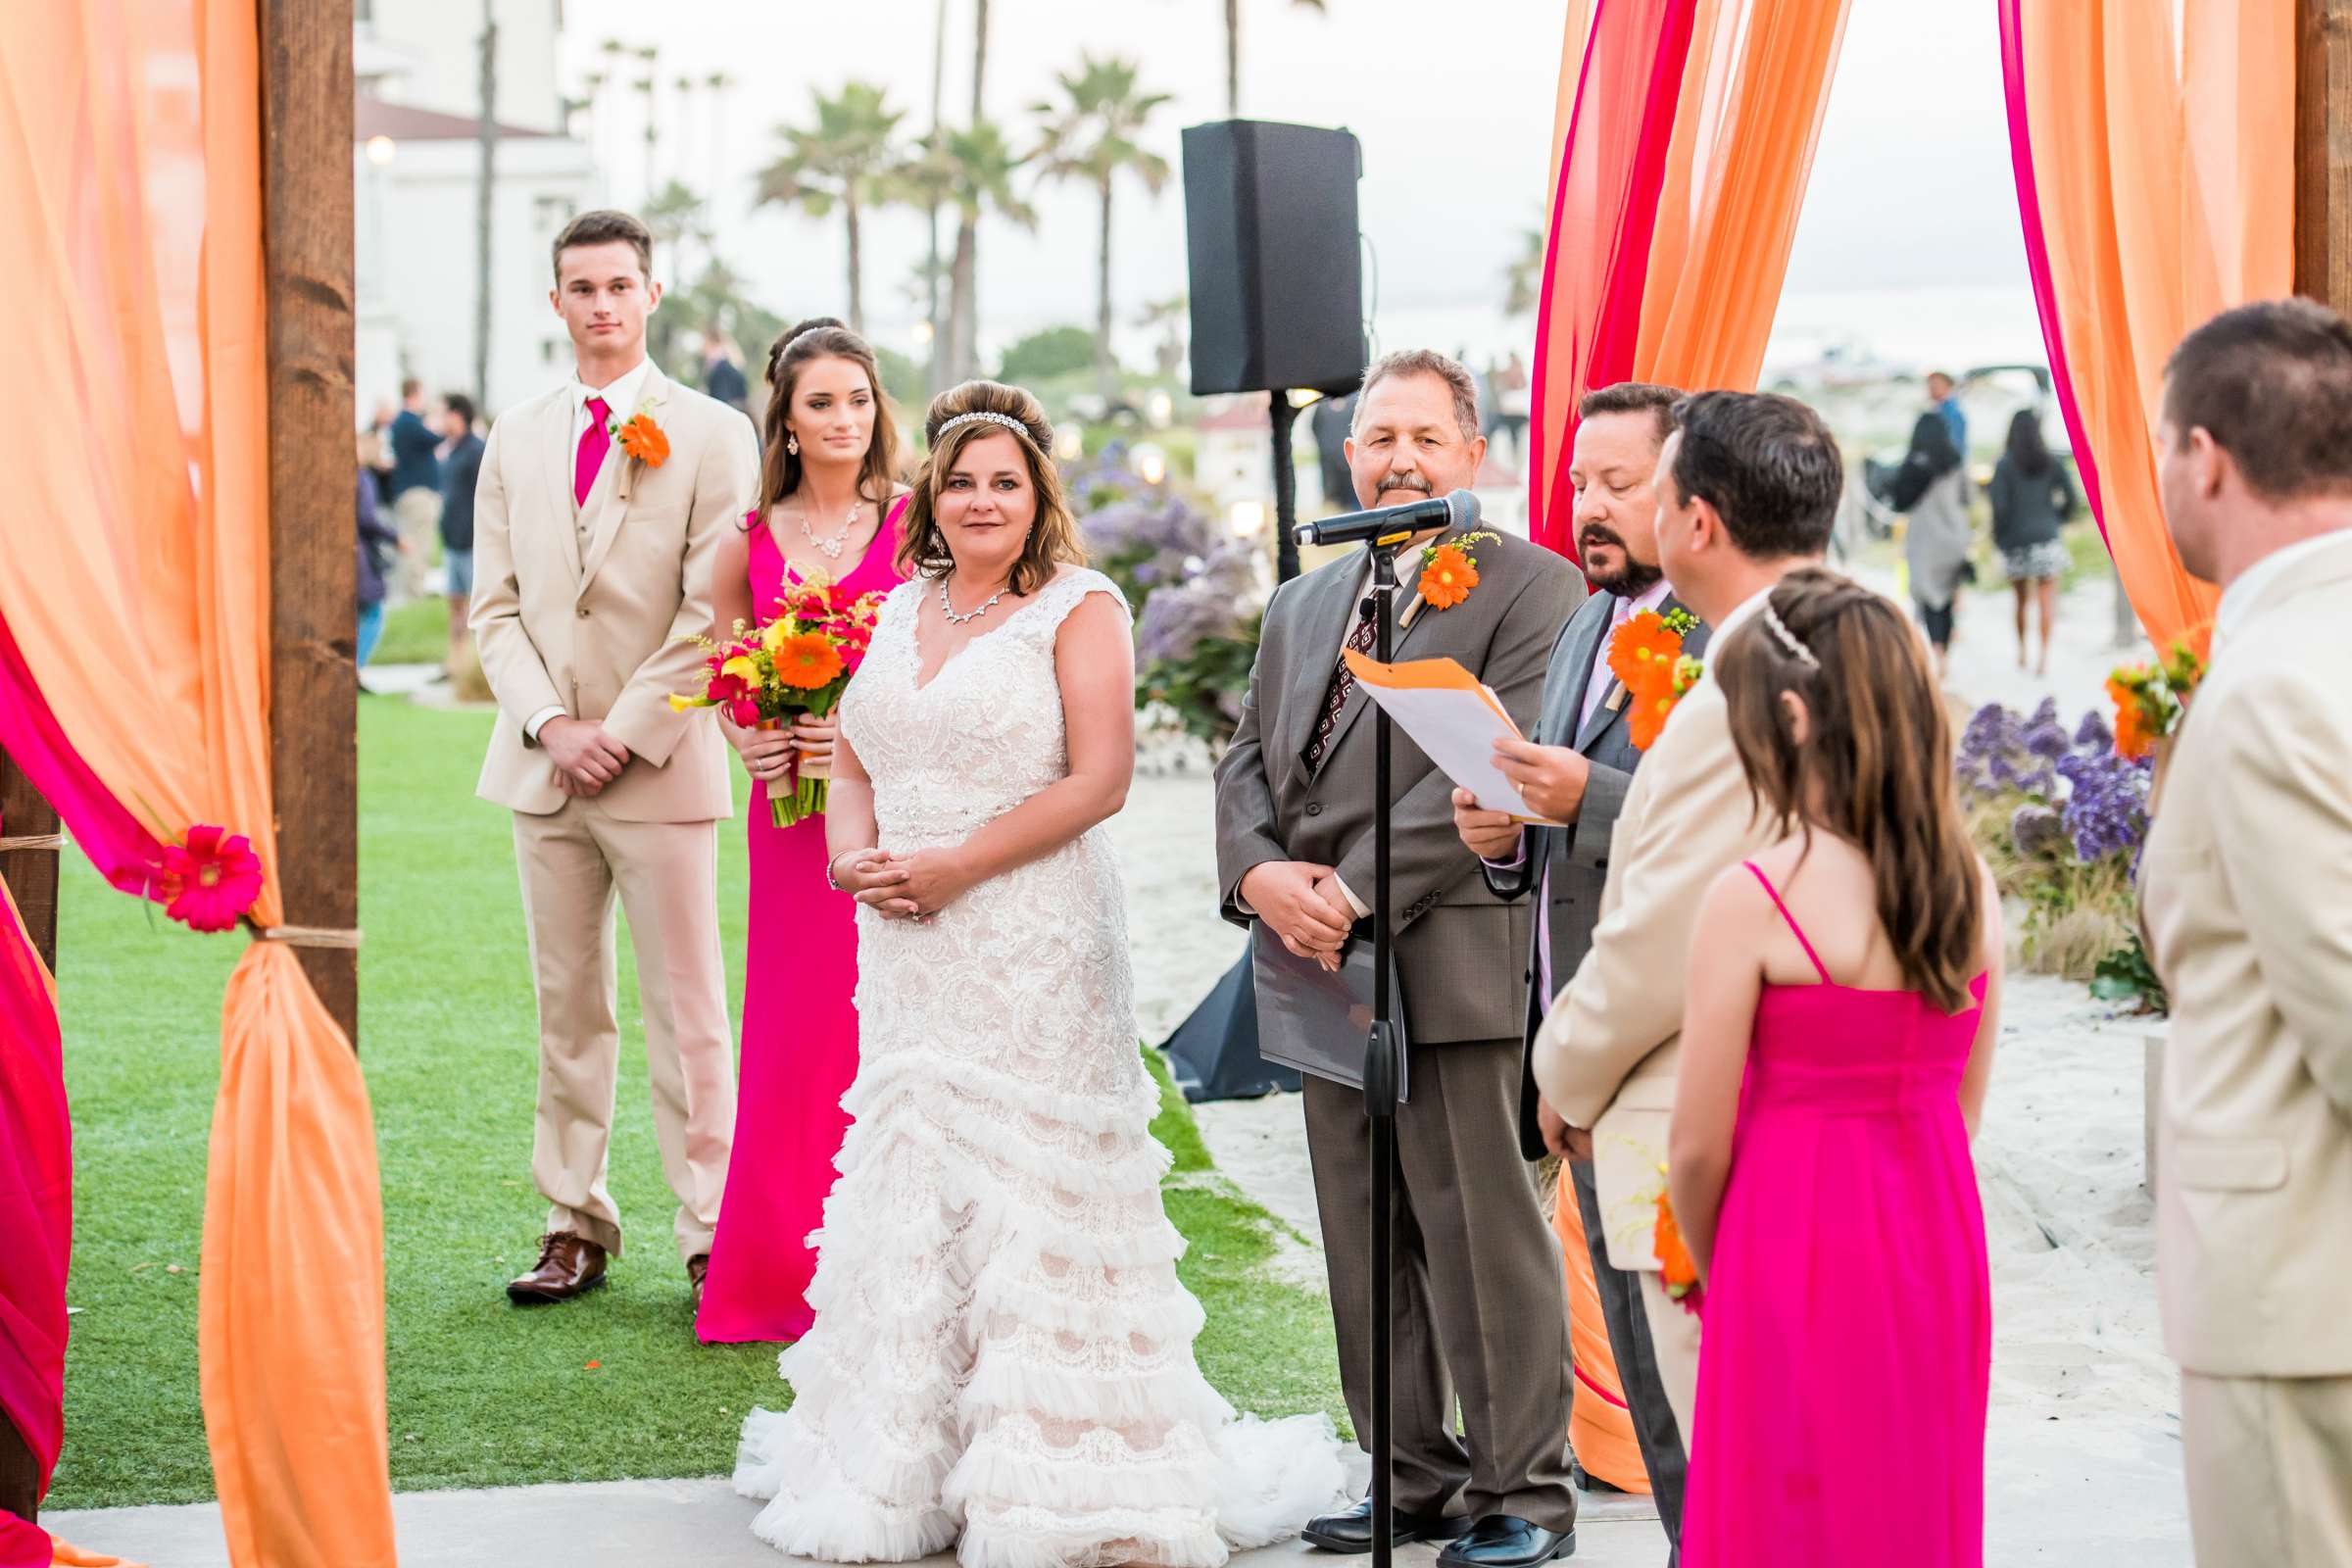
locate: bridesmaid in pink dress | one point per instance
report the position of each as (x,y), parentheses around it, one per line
(1843,1004)
(830,505)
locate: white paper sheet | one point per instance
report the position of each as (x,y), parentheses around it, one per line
(1455,720)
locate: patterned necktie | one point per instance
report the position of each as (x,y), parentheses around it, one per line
(594,442)
(1342,683)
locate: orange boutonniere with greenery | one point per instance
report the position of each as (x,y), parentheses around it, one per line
(639,437)
(1678,1271)
(1449,571)
(1646,657)
(2150,699)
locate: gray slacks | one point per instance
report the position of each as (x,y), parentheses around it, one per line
(1481,1307)
(1654,1427)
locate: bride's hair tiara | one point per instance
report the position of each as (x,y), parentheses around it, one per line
(1787,639)
(983,417)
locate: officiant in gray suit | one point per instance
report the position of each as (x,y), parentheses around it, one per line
(1481,1305)
(1576,769)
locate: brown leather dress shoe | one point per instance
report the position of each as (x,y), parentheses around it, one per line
(568,1265)
(697,1270)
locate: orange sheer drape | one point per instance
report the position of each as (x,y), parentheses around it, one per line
(136,533)
(1752,100)
(2166,194)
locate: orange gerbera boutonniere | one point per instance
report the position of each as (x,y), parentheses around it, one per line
(641,439)
(1646,657)
(1449,571)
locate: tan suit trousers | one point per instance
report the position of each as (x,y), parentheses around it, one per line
(2270,1470)
(416,517)
(1674,1338)
(572,862)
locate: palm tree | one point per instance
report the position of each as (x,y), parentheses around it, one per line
(847,157)
(650,54)
(1091,138)
(964,313)
(980,168)
(1168,318)
(1232,53)
(1523,274)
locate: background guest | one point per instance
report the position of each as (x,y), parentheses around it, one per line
(375,536)
(2033,498)
(722,374)
(1845,998)
(2246,891)
(460,470)
(414,484)
(1943,397)
(1931,486)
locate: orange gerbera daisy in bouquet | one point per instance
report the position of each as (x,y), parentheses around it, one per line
(799,661)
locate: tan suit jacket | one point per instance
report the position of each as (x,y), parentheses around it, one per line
(2246,891)
(585,612)
(1606,1057)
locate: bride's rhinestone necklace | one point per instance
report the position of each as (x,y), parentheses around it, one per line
(947,606)
(832,544)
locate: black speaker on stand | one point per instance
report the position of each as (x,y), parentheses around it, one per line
(1277,304)
(1277,291)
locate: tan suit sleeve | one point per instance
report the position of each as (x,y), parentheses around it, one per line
(2286,845)
(641,717)
(1688,816)
(511,660)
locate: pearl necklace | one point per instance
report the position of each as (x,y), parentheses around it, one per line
(832,547)
(947,606)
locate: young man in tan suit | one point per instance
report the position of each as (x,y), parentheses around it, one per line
(1747,491)
(2246,892)
(591,565)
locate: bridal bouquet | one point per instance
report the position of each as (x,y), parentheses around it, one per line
(799,661)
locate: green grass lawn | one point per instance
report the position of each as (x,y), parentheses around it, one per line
(481,1393)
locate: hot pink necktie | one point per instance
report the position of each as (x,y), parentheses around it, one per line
(592,444)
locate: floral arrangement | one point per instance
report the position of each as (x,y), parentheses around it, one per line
(2061,816)
(797,661)
(2150,700)
(1646,657)
(1196,589)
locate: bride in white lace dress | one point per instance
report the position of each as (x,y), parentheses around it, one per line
(1003,1354)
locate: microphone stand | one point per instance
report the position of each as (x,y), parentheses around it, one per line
(1380,1078)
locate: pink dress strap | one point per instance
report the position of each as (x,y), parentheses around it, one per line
(1794,930)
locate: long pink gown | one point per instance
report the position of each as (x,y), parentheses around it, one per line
(1843,1367)
(799,1038)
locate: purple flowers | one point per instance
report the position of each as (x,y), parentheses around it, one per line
(2103,808)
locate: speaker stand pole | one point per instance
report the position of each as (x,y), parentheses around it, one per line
(1380,1083)
(1285,484)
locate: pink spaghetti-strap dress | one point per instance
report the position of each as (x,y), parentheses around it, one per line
(799,1037)
(1844,1368)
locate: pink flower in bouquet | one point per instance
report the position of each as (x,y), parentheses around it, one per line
(744,711)
(211,879)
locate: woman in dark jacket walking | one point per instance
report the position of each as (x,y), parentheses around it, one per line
(2033,498)
(374,535)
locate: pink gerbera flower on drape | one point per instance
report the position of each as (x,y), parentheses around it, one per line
(211,879)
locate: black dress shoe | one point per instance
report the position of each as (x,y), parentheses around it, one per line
(1586,1481)
(1350,1531)
(1499,1541)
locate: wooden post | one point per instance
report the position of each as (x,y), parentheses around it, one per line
(314,478)
(2324,150)
(31,878)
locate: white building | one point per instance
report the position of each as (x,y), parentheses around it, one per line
(417,162)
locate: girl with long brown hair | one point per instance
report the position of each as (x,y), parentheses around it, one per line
(829,507)
(1844,1001)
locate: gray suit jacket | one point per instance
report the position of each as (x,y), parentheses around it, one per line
(1576,855)
(1454,935)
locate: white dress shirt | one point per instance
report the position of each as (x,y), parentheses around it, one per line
(620,396)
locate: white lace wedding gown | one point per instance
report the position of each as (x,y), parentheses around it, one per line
(1003,1356)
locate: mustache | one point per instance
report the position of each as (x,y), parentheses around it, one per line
(1406,482)
(1595,533)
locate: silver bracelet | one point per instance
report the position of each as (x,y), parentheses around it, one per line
(829,865)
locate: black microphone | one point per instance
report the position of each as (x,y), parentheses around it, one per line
(1456,509)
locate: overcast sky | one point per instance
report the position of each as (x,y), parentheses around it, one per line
(1452,100)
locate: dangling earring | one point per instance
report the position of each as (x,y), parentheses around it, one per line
(792,443)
